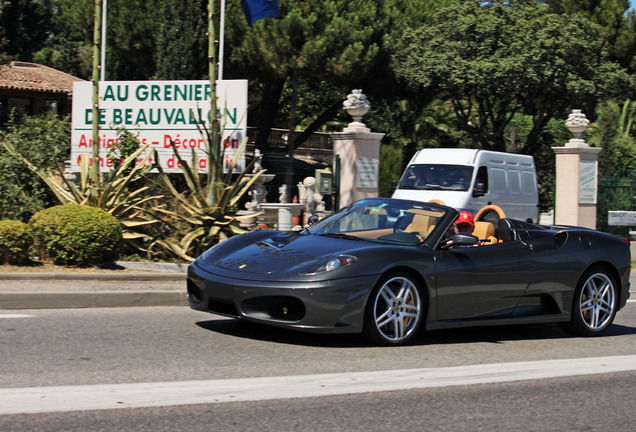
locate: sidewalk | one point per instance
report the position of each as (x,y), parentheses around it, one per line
(152,285)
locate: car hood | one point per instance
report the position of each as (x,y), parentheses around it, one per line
(280,253)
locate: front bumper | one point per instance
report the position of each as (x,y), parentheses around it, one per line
(331,306)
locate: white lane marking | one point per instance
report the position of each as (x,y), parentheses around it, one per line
(137,395)
(16,316)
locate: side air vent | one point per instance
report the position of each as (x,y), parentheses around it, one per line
(560,238)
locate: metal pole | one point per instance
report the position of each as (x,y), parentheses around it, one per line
(95,78)
(221,39)
(103,62)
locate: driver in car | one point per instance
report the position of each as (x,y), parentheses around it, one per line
(465,223)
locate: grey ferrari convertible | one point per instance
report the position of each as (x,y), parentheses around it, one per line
(388,268)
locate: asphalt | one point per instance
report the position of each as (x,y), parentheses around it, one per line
(142,284)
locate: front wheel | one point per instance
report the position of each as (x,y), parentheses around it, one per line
(594,307)
(394,310)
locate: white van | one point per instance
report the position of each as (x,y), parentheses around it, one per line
(471,179)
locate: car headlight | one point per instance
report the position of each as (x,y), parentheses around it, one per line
(330,264)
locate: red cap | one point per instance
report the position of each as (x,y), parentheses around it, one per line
(465,217)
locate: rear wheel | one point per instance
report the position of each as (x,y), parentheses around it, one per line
(595,301)
(394,310)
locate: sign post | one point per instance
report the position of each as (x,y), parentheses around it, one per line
(158,113)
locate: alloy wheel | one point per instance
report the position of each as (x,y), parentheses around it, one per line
(597,302)
(397,309)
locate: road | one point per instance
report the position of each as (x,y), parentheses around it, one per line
(199,358)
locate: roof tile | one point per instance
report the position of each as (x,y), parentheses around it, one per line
(36,77)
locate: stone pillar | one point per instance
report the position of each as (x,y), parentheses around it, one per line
(359,152)
(576,177)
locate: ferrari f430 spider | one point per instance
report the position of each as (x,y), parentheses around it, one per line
(388,268)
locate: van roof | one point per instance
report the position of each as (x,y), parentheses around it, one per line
(455,156)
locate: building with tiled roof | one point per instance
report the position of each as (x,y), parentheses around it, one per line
(34,89)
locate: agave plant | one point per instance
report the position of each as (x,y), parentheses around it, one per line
(207,208)
(113,194)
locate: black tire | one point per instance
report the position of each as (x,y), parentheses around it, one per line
(594,305)
(395,310)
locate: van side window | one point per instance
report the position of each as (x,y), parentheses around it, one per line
(481,182)
(499,181)
(529,183)
(514,181)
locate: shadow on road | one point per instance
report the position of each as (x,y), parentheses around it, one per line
(500,334)
(244,329)
(493,334)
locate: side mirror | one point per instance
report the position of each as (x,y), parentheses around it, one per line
(312,219)
(460,239)
(394,184)
(479,190)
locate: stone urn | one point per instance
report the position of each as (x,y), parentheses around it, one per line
(356,106)
(577,123)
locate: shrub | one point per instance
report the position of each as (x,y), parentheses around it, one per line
(41,140)
(15,242)
(76,234)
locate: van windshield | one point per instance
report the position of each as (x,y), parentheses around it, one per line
(437,177)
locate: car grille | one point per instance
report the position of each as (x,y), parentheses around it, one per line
(281,308)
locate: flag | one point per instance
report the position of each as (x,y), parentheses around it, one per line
(257,9)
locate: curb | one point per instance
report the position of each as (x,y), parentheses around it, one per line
(93,276)
(107,299)
(98,299)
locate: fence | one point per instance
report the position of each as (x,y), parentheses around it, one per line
(615,192)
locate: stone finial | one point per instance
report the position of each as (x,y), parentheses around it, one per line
(577,123)
(356,106)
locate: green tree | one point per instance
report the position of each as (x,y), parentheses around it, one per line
(72,57)
(334,41)
(45,141)
(130,42)
(180,30)
(391,158)
(25,27)
(612,16)
(614,132)
(498,59)
(70,47)
(4,37)
(133,27)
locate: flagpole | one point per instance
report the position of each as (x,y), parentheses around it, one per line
(103,62)
(221,39)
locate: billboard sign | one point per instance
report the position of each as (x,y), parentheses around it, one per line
(158,113)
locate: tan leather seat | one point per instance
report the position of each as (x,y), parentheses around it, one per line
(420,223)
(485,231)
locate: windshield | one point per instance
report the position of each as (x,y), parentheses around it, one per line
(437,177)
(381,220)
